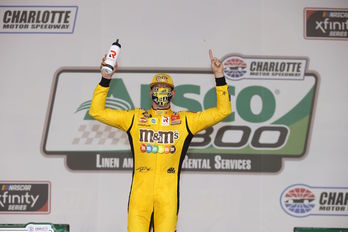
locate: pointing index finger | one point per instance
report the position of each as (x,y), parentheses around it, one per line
(211,54)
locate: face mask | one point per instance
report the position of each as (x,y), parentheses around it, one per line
(161,96)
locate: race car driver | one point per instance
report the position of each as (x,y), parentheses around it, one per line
(159,139)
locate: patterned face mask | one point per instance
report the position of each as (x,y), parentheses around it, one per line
(161,96)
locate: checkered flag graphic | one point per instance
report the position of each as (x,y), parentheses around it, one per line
(94,133)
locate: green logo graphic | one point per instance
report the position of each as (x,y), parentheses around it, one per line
(271,116)
(118,98)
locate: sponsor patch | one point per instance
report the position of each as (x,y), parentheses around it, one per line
(175,119)
(146,114)
(165,121)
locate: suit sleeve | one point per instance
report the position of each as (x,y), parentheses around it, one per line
(207,118)
(121,119)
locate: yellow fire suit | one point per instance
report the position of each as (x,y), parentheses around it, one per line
(159,141)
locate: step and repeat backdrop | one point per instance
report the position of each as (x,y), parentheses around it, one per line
(277,163)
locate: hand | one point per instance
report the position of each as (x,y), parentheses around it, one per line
(105,75)
(216,65)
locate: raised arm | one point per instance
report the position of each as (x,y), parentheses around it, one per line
(204,119)
(121,119)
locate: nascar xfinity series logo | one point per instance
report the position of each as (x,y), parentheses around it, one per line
(25,197)
(325,23)
(272,108)
(303,200)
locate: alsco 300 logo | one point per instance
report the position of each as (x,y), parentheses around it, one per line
(272,101)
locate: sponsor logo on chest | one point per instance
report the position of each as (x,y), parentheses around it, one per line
(175,119)
(165,121)
(161,137)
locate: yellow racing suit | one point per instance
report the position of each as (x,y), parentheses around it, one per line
(159,140)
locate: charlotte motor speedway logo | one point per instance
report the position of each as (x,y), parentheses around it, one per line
(237,68)
(38,19)
(303,200)
(272,102)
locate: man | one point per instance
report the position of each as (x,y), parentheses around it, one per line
(159,139)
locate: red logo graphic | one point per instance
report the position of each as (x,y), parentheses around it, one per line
(175,117)
(113,54)
(165,121)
